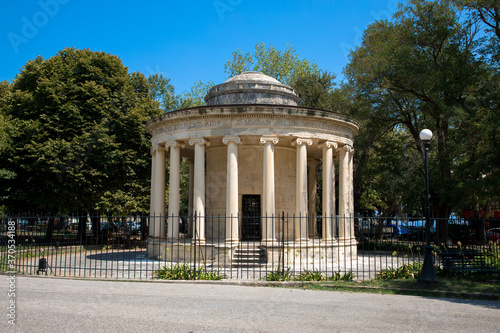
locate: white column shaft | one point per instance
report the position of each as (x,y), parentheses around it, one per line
(301,234)
(312,196)
(174,191)
(190,200)
(199,188)
(344,193)
(351,193)
(232,190)
(152,212)
(328,193)
(159,197)
(269,199)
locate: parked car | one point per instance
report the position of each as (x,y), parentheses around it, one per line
(134,227)
(399,230)
(419,233)
(491,235)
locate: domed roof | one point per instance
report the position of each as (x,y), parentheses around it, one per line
(254,76)
(252,88)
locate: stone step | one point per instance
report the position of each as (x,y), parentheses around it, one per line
(244,252)
(249,257)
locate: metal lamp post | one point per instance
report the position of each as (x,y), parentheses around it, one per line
(428,273)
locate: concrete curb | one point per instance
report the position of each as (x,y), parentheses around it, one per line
(260,283)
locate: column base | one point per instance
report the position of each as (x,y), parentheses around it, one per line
(155,239)
(347,241)
(269,243)
(328,242)
(232,242)
(198,242)
(302,242)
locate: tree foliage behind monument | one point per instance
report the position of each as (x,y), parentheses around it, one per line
(314,86)
(426,69)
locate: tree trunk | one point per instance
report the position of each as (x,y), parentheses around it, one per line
(82,230)
(50,230)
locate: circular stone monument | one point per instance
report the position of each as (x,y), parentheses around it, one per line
(253,154)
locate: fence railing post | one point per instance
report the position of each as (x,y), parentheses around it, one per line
(194,236)
(283,244)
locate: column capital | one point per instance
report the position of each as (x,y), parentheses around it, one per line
(156,147)
(348,149)
(330,144)
(231,138)
(174,144)
(269,138)
(199,141)
(302,141)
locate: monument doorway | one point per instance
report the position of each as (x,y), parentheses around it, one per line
(250,220)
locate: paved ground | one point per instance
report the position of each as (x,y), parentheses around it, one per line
(134,264)
(64,305)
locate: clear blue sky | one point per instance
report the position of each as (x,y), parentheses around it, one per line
(185,40)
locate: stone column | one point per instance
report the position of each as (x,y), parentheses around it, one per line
(199,186)
(269,201)
(301,234)
(152,212)
(159,196)
(344,194)
(351,193)
(312,163)
(174,189)
(190,198)
(328,193)
(232,208)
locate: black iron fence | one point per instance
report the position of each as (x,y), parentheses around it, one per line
(249,247)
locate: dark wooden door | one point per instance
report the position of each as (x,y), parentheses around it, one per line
(250,220)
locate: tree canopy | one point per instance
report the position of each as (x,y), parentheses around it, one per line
(314,86)
(80,141)
(426,69)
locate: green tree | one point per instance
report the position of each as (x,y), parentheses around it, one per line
(417,71)
(314,86)
(481,170)
(5,124)
(81,137)
(195,96)
(7,128)
(162,91)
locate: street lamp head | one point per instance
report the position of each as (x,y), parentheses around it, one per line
(426,135)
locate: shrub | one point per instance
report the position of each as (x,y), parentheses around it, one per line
(280,275)
(309,275)
(185,272)
(407,271)
(492,254)
(349,276)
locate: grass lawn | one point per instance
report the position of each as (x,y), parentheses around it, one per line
(448,287)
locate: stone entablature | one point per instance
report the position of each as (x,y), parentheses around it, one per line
(253,120)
